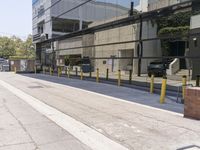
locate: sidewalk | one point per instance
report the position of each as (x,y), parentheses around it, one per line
(23,128)
(128,94)
(132,118)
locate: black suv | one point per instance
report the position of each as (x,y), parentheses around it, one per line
(157,68)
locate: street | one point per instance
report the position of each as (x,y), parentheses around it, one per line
(44,112)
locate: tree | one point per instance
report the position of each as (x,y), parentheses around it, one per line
(7,47)
(15,47)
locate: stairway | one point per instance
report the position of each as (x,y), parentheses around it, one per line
(183,72)
(179,74)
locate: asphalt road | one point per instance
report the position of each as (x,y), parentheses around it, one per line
(119,116)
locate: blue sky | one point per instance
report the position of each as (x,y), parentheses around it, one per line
(16,17)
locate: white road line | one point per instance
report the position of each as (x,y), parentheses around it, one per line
(85,134)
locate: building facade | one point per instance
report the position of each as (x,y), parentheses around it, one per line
(113,53)
(126,50)
(157,4)
(195,44)
(49,19)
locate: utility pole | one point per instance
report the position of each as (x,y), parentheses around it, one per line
(131,14)
(140,48)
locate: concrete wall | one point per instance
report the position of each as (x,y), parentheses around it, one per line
(194,48)
(122,34)
(156,4)
(195,52)
(150,48)
(195,22)
(22,65)
(69,43)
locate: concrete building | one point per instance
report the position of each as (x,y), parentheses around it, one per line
(110,52)
(48,21)
(156,4)
(195,44)
(123,34)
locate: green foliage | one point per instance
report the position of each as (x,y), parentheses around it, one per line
(171,31)
(7,47)
(175,24)
(14,46)
(176,20)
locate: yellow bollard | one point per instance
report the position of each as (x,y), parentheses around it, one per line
(184,83)
(51,72)
(119,77)
(163,90)
(152,84)
(107,74)
(97,77)
(15,70)
(59,72)
(81,74)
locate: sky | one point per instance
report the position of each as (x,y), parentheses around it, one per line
(16,18)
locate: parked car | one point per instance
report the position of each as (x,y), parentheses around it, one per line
(157,68)
(86,65)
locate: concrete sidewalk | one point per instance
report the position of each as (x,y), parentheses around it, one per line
(129,117)
(129,94)
(23,128)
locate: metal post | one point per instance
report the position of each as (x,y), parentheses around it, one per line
(90,70)
(152,84)
(97,77)
(163,90)
(76,71)
(197,81)
(68,73)
(184,83)
(119,77)
(107,74)
(130,76)
(140,48)
(81,74)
